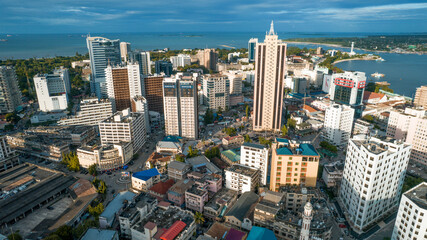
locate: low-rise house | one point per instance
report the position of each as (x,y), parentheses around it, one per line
(267,209)
(105,157)
(115,207)
(100,234)
(165,222)
(218,205)
(144,180)
(362,127)
(332,174)
(231,156)
(373,97)
(242,178)
(233,142)
(195,198)
(168,147)
(315,124)
(241,214)
(139,208)
(261,233)
(203,164)
(221,231)
(296,197)
(212,182)
(160,189)
(158,161)
(176,194)
(178,170)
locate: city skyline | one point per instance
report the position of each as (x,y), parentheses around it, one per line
(305,16)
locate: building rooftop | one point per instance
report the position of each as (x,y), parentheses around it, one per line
(232,155)
(162,187)
(139,202)
(217,230)
(172,139)
(116,204)
(257,233)
(181,186)
(243,205)
(223,197)
(367,95)
(418,195)
(146,174)
(196,190)
(242,169)
(234,234)
(286,147)
(254,145)
(202,164)
(169,145)
(178,165)
(99,234)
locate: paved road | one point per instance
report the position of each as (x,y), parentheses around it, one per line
(384,232)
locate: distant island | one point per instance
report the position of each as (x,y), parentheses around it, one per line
(414,44)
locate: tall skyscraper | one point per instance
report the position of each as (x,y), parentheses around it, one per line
(348,88)
(123,84)
(270,60)
(143,59)
(140,105)
(252,48)
(10,95)
(52,90)
(372,180)
(410,125)
(102,52)
(180,107)
(216,89)
(163,67)
(153,86)
(338,124)
(208,58)
(124,50)
(235,82)
(181,60)
(293,163)
(420,99)
(411,218)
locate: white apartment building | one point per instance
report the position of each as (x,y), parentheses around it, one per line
(8,157)
(124,50)
(10,95)
(235,79)
(105,157)
(124,126)
(255,156)
(411,126)
(411,218)
(373,176)
(270,69)
(338,124)
(181,60)
(92,111)
(139,104)
(143,60)
(216,89)
(362,127)
(348,88)
(52,90)
(180,107)
(242,178)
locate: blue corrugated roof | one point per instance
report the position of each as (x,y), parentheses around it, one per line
(257,233)
(308,149)
(284,151)
(254,145)
(282,140)
(146,174)
(172,139)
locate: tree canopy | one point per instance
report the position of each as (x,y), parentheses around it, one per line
(71,161)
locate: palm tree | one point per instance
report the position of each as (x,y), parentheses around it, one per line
(198,218)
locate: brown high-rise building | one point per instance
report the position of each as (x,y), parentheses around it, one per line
(123,83)
(154,93)
(208,58)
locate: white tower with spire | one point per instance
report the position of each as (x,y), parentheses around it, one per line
(306,220)
(352,49)
(270,68)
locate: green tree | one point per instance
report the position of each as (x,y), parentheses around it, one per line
(12,118)
(65,232)
(14,236)
(102,188)
(95,211)
(192,153)
(291,123)
(264,141)
(180,158)
(208,118)
(231,131)
(212,152)
(284,130)
(198,218)
(248,112)
(219,111)
(368,118)
(247,138)
(96,182)
(92,170)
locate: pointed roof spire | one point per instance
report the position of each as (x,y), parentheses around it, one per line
(271,28)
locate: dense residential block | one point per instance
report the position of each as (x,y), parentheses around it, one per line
(10,95)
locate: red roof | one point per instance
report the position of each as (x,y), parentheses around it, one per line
(162,187)
(309,109)
(164,204)
(372,95)
(173,231)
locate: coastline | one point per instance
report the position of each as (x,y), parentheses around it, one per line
(314,43)
(353,59)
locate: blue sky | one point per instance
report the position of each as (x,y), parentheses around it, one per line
(108,16)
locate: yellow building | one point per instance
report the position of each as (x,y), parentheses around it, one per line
(293,164)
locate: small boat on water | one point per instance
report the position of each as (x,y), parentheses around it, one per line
(380,60)
(3,40)
(377,75)
(8,35)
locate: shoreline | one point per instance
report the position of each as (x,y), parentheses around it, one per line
(353,59)
(314,43)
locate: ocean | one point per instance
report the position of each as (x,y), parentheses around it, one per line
(404,72)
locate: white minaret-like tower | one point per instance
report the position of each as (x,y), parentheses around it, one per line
(306,220)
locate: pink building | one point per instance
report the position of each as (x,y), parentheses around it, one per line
(176,193)
(212,182)
(195,198)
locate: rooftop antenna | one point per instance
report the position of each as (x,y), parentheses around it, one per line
(271,28)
